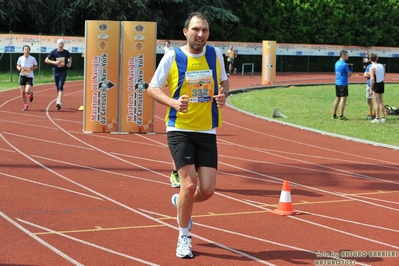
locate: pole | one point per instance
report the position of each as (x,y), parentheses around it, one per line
(10,51)
(40,53)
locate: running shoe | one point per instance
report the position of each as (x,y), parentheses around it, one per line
(26,107)
(58,106)
(376,120)
(183,249)
(343,118)
(30,96)
(174,202)
(174,179)
(382,120)
(334,117)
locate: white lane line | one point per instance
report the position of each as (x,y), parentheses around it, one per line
(214,243)
(51,186)
(19,97)
(307,144)
(47,141)
(249,237)
(26,124)
(87,243)
(394,166)
(135,210)
(338,194)
(313,223)
(102,170)
(381,200)
(157,145)
(350,221)
(331,170)
(41,241)
(334,169)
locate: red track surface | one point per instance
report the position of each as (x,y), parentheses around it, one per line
(104,199)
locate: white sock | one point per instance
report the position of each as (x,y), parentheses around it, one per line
(184,232)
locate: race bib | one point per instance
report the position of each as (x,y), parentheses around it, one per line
(200,86)
(25,71)
(62,60)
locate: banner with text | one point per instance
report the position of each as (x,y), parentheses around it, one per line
(137,69)
(269,62)
(101,77)
(13,43)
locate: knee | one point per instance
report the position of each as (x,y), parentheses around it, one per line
(190,189)
(206,193)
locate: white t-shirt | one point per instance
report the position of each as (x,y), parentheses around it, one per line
(26,63)
(167,49)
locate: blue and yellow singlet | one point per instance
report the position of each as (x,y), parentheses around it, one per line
(198,78)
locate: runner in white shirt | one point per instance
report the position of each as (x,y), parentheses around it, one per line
(26,64)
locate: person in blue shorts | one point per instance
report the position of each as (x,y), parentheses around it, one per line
(61,61)
(342,73)
(26,64)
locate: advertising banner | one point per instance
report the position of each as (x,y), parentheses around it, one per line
(269,62)
(137,68)
(101,77)
(12,43)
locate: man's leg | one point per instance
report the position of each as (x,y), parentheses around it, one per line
(376,99)
(335,105)
(23,94)
(61,82)
(342,106)
(188,186)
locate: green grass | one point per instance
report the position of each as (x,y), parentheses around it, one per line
(10,81)
(311,106)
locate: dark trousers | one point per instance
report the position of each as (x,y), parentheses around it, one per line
(59,79)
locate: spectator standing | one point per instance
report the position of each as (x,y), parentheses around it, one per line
(369,96)
(342,72)
(377,88)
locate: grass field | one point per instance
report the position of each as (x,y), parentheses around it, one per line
(10,81)
(311,106)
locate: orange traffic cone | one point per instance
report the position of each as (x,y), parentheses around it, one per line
(285,204)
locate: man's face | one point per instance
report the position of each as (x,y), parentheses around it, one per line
(26,51)
(60,46)
(197,34)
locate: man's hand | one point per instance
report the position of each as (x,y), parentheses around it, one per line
(220,98)
(181,104)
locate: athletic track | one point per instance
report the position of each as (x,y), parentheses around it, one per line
(70,198)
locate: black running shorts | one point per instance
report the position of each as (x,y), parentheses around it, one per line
(193,148)
(379,87)
(341,91)
(23,81)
